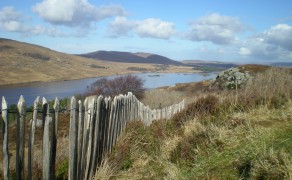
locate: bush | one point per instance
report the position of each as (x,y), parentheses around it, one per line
(204,106)
(116,86)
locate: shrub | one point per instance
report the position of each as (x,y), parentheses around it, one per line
(204,106)
(116,86)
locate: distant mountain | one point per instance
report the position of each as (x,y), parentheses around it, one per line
(282,64)
(127,57)
(22,62)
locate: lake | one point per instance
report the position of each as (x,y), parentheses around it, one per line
(62,89)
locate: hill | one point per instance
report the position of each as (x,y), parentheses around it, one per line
(127,57)
(23,62)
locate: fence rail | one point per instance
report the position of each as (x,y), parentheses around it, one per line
(94,128)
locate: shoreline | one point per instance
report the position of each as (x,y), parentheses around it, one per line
(110,74)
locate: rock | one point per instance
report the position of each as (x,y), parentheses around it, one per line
(231,78)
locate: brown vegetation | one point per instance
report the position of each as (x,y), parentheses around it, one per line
(253,68)
(116,86)
(228,134)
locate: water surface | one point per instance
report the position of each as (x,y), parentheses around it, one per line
(62,89)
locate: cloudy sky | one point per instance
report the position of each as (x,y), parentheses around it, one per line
(241,31)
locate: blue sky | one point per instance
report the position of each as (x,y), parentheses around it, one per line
(237,31)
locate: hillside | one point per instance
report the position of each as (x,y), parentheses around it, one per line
(127,57)
(22,62)
(235,134)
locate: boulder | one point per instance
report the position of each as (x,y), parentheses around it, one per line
(231,78)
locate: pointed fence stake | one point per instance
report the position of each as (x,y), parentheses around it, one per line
(21,106)
(5,139)
(47,153)
(31,137)
(73,141)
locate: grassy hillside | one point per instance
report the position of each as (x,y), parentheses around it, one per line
(234,134)
(22,62)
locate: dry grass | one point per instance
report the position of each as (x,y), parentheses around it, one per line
(272,88)
(253,68)
(221,135)
(191,88)
(160,98)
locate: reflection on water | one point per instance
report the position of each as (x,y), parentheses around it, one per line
(62,89)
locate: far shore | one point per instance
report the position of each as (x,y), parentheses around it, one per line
(19,82)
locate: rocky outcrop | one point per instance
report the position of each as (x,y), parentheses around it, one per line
(231,78)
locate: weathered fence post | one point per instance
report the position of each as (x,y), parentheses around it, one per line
(108,102)
(123,111)
(54,138)
(31,137)
(96,143)
(112,124)
(5,139)
(114,121)
(117,120)
(20,123)
(47,153)
(91,129)
(80,139)
(73,141)
(85,137)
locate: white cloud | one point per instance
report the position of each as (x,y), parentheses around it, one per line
(9,13)
(52,31)
(151,27)
(216,28)
(244,51)
(280,35)
(11,20)
(75,12)
(155,28)
(121,26)
(273,44)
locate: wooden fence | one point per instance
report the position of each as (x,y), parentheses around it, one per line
(94,128)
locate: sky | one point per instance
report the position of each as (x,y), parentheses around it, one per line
(238,31)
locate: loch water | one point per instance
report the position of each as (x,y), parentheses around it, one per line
(62,89)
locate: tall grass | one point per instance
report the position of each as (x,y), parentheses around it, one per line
(272,88)
(160,98)
(237,134)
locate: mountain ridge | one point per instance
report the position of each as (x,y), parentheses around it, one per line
(128,57)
